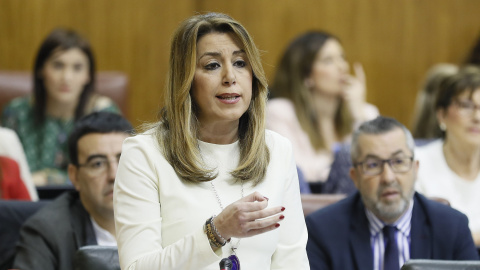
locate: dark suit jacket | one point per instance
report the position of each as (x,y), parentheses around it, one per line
(50,238)
(339,236)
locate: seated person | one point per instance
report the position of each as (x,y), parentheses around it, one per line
(64,76)
(15,178)
(317,104)
(385,223)
(425,123)
(451,165)
(50,238)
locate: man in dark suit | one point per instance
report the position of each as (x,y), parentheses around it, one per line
(50,238)
(385,223)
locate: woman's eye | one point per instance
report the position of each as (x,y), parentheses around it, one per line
(466,105)
(212,66)
(57,65)
(327,60)
(240,63)
(78,67)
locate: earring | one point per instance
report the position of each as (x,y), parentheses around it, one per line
(443,127)
(308,83)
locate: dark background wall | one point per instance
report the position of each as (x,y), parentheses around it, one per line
(395,40)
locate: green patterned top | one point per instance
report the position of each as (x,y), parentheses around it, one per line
(46,147)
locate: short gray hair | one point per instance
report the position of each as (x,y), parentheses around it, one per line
(379,125)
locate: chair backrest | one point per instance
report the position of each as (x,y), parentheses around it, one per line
(314,202)
(12,216)
(96,257)
(50,192)
(422,264)
(113,84)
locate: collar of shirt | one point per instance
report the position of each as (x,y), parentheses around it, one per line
(403,224)
(104,237)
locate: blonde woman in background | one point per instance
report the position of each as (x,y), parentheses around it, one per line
(317,103)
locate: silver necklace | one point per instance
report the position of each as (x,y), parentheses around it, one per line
(233,247)
(233,258)
(218,197)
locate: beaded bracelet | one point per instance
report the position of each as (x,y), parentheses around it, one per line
(218,234)
(208,228)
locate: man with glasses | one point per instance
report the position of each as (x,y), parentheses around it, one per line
(385,223)
(50,238)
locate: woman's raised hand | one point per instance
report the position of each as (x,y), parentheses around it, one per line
(247,217)
(354,92)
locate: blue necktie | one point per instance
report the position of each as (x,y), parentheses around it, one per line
(391,249)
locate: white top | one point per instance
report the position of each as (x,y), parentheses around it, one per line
(282,118)
(103,237)
(159,218)
(436,179)
(11,147)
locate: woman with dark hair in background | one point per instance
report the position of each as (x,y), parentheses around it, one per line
(317,104)
(450,166)
(425,123)
(64,76)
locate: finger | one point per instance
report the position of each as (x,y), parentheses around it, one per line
(359,72)
(263,230)
(264,213)
(255,196)
(262,223)
(251,206)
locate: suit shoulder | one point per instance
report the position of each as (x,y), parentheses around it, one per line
(436,210)
(51,215)
(333,215)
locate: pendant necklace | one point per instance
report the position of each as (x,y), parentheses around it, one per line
(233,257)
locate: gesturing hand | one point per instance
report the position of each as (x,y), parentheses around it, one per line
(247,217)
(354,92)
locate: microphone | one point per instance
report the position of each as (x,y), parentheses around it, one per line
(225,264)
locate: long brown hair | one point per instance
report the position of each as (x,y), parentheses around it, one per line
(177,131)
(425,123)
(60,39)
(289,82)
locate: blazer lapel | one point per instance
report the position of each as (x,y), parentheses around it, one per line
(360,238)
(82,226)
(420,243)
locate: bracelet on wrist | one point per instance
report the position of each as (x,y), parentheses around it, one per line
(210,232)
(217,233)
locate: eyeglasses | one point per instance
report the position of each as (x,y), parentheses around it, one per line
(466,108)
(374,166)
(97,166)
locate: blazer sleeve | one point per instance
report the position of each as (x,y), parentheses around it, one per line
(290,252)
(138,216)
(316,255)
(34,250)
(464,246)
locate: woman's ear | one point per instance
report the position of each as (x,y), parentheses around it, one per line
(308,83)
(441,118)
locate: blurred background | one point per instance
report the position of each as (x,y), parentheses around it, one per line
(395,40)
